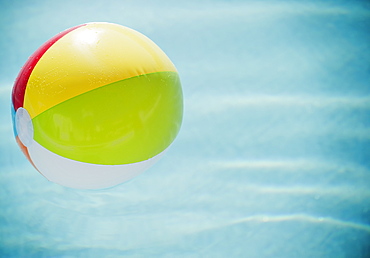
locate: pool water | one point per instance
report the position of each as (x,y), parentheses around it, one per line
(273,158)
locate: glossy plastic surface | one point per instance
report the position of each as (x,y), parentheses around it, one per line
(94,95)
(87,58)
(20,85)
(83,175)
(124,122)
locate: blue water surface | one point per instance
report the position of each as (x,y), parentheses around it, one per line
(273,158)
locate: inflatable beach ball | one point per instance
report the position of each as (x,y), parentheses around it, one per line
(96,105)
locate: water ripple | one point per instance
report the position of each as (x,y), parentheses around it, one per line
(217,103)
(302,217)
(289,165)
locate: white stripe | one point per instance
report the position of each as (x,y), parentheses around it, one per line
(82,175)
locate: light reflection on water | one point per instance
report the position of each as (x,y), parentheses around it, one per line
(273,157)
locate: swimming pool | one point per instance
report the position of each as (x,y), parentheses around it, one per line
(273,158)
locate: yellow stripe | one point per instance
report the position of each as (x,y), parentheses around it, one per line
(88,58)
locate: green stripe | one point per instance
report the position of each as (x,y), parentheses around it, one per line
(124,122)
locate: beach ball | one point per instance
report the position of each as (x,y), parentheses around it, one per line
(96,105)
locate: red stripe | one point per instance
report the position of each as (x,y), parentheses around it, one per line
(20,84)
